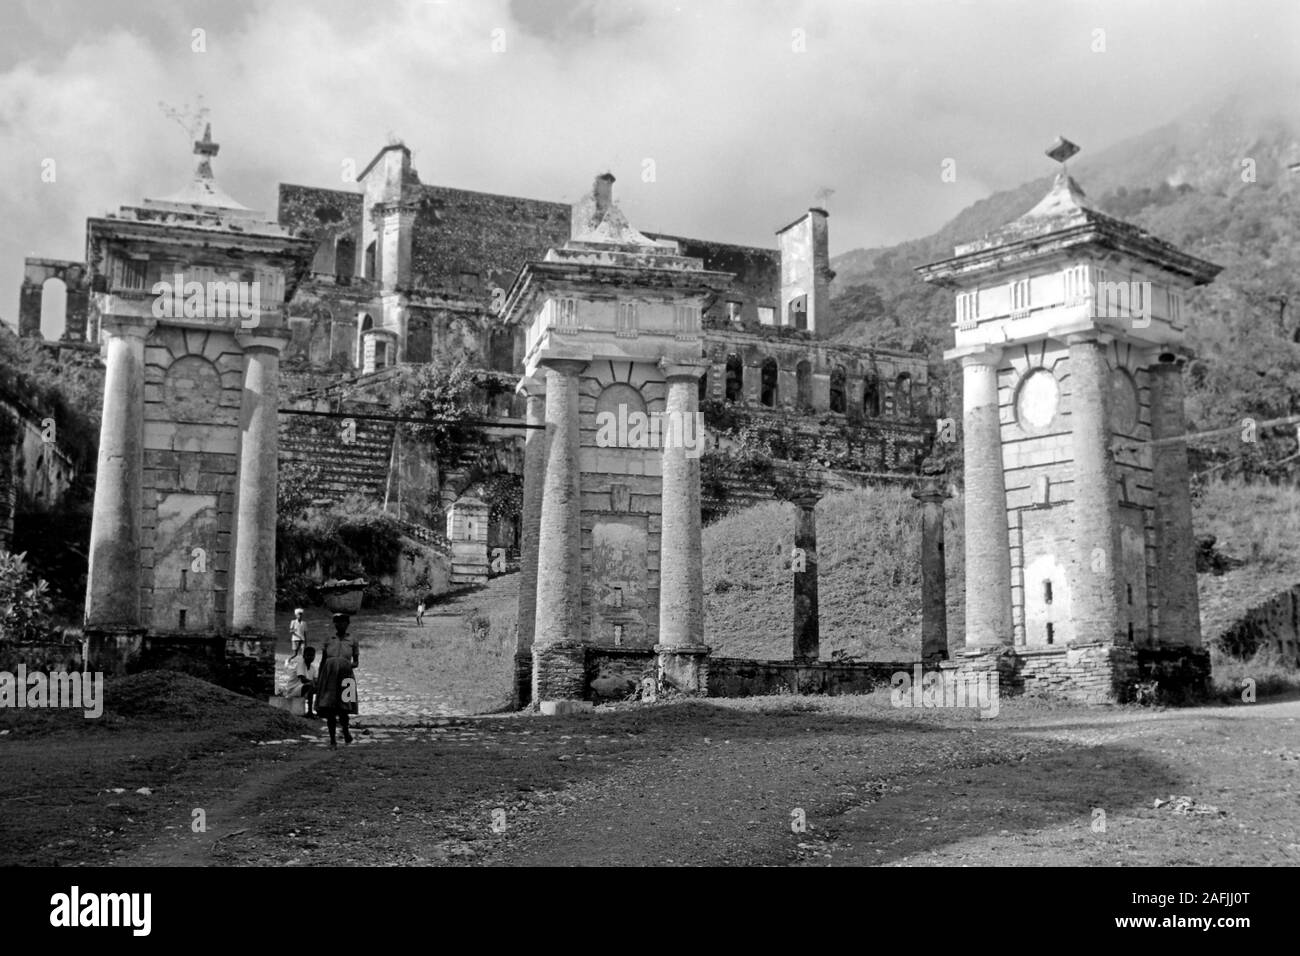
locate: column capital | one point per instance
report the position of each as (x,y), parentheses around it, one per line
(531,386)
(565,365)
(1090,337)
(127,326)
(255,342)
(985,356)
(680,369)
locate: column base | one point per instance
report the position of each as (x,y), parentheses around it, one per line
(559,672)
(684,667)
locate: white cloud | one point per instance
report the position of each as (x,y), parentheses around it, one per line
(743,130)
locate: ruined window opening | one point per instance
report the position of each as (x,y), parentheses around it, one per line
(733,311)
(798,312)
(803,383)
(871,397)
(618,597)
(364,324)
(1051,633)
(1129,589)
(1130,631)
(903,395)
(837,389)
(54,309)
(345,258)
(704,386)
(1047,592)
(180,622)
(368,263)
(618,635)
(185,583)
(768,388)
(766,315)
(735,384)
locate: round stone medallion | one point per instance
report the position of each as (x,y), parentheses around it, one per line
(1038,399)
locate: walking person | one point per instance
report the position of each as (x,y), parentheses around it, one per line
(336,683)
(297,634)
(419,613)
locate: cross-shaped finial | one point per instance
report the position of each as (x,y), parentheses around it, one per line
(205,146)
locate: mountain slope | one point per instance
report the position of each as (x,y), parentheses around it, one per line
(1214,183)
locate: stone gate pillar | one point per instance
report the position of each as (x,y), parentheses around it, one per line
(683,655)
(253,591)
(559,653)
(534,390)
(1094,601)
(931,493)
(113,591)
(1178,605)
(807,615)
(988,545)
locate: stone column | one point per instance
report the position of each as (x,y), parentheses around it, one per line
(1178,605)
(807,635)
(1094,593)
(932,492)
(113,581)
(253,590)
(559,653)
(683,655)
(534,389)
(988,544)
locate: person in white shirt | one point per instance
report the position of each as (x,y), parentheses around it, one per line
(297,634)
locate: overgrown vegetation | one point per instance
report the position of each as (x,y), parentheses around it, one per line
(354,538)
(25,607)
(868,548)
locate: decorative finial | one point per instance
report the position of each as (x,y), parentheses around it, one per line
(205,146)
(1062,149)
(205,149)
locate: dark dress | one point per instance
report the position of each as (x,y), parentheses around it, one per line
(336,666)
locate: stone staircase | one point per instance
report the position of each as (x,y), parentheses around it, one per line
(356,467)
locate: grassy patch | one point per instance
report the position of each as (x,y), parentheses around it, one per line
(869,577)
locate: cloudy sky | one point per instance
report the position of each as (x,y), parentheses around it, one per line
(721,119)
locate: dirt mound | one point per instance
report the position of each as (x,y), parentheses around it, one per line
(167,695)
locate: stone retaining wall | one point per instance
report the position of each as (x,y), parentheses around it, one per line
(1273,625)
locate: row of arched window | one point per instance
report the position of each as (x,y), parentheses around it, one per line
(344,265)
(876,400)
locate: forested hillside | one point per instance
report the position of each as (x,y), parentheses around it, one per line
(1216,184)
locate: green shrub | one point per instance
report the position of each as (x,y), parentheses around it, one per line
(24,601)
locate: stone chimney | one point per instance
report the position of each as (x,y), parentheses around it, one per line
(602,190)
(806,272)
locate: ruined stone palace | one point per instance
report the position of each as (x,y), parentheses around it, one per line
(356,284)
